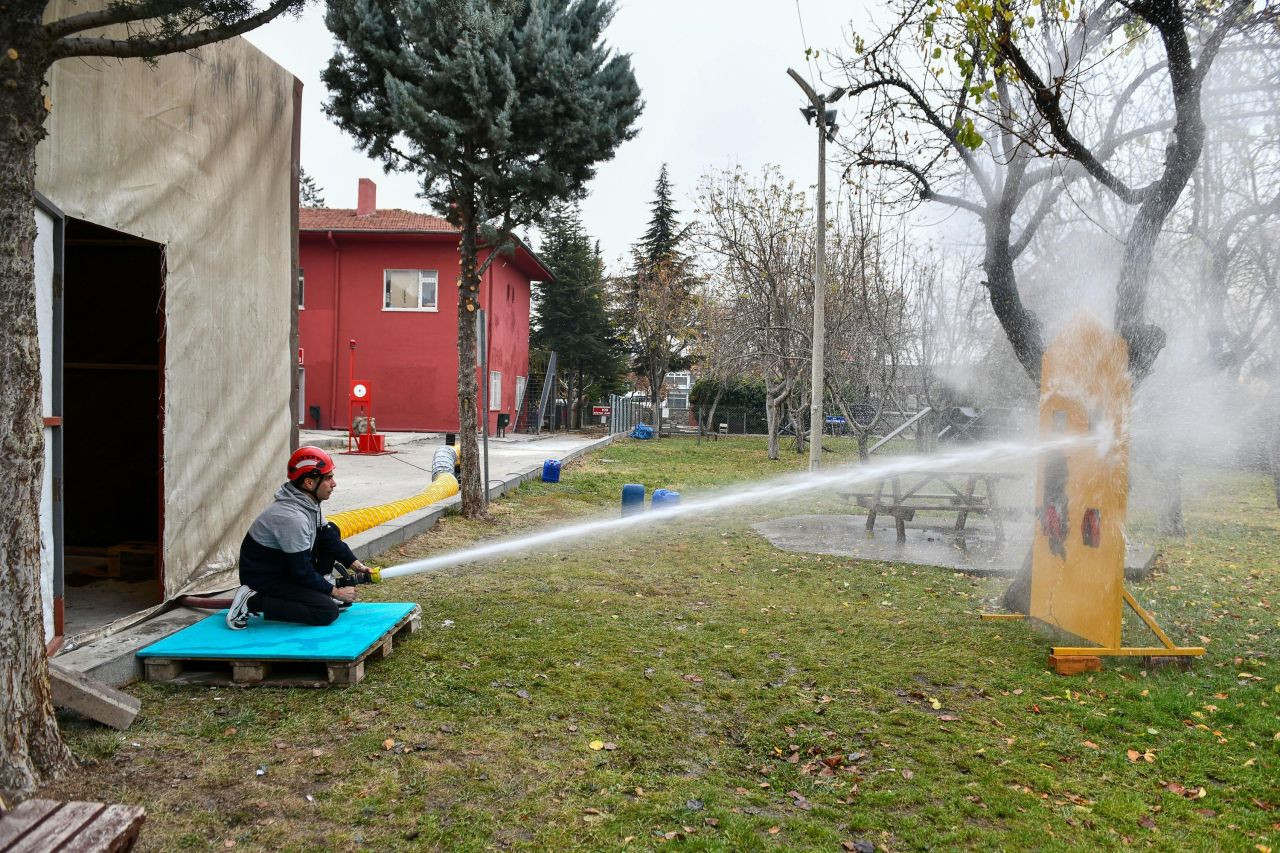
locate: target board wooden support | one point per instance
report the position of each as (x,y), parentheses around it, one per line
(1077,569)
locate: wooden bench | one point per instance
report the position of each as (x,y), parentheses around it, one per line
(961,496)
(46,825)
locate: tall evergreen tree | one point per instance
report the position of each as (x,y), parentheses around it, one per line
(501,107)
(663,238)
(309,192)
(571,317)
(34,34)
(659,309)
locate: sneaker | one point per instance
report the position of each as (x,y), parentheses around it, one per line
(238,613)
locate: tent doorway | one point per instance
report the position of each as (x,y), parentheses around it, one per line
(113,404)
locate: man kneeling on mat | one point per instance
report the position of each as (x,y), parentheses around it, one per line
(289,549)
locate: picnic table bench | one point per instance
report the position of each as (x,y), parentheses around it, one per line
(46,825)
(905,497)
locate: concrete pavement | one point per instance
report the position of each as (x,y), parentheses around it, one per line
(365,481)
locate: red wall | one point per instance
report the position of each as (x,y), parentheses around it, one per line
(408,358)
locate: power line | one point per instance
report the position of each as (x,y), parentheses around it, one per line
(808,57)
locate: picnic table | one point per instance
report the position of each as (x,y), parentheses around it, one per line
(965,492)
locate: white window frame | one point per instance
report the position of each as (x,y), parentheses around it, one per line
(302,289)
(423,276)
(495,397)
(522,385)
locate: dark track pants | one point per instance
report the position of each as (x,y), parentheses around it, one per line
(285,602)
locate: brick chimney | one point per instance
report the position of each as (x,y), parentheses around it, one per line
(367,198)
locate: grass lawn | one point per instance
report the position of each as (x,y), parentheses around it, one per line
(692,686)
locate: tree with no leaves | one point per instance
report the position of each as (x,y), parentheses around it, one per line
(998,108)
(500,107)
(30,42)
(757,237)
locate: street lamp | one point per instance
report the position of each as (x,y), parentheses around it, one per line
(827,128)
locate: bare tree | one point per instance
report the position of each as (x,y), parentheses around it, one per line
(757,236)
(1005,113)
(869,328)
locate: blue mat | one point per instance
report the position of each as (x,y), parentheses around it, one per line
(356,629)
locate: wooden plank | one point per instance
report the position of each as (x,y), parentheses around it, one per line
(1003,617)
(1130,651)
(346,673)
(116,829)
(249,671)
(1075,664)
(95,700)
(23,818)
(963,515)
(58,827)
(161,669)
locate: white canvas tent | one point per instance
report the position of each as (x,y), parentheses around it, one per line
(166,266)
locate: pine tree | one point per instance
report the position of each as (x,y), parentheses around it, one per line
(500,107)
(309,192)
(571,317)
(660,302)
(663,238)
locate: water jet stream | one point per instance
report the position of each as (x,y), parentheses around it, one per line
(772,490)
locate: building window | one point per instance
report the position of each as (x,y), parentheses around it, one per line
(302,285)
(495,390)
(521,382)
(410,290)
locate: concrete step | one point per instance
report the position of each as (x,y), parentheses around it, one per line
(112,660)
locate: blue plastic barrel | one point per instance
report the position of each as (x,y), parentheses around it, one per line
(632,498)
(663,498)
(551,471)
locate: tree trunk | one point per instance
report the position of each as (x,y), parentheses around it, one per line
(710,425)
(1275,446)
(801,434)
(863,444)
(31,747)
(771,422)
(472,486)
(657,374)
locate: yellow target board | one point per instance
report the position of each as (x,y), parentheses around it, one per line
(1077,569)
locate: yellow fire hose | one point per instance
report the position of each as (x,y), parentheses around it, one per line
(353,521)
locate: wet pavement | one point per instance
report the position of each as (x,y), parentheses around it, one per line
(973,551)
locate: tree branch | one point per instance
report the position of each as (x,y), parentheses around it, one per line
(144,47)
(1048,104)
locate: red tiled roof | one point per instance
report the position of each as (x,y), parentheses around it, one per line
(345,219)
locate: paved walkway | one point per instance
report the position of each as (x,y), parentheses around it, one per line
(365,481)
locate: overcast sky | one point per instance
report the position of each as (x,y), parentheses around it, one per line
(712,74)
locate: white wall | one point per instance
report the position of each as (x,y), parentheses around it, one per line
(195,153)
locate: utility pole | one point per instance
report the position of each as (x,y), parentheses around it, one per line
(817,113)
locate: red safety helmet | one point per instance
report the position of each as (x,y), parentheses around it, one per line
(308,461)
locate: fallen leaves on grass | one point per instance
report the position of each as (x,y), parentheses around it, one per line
(1194,792)
(1135,756)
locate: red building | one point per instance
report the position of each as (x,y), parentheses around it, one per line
(388,279)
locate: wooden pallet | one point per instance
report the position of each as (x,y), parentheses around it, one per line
(40,825)
(245,672)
